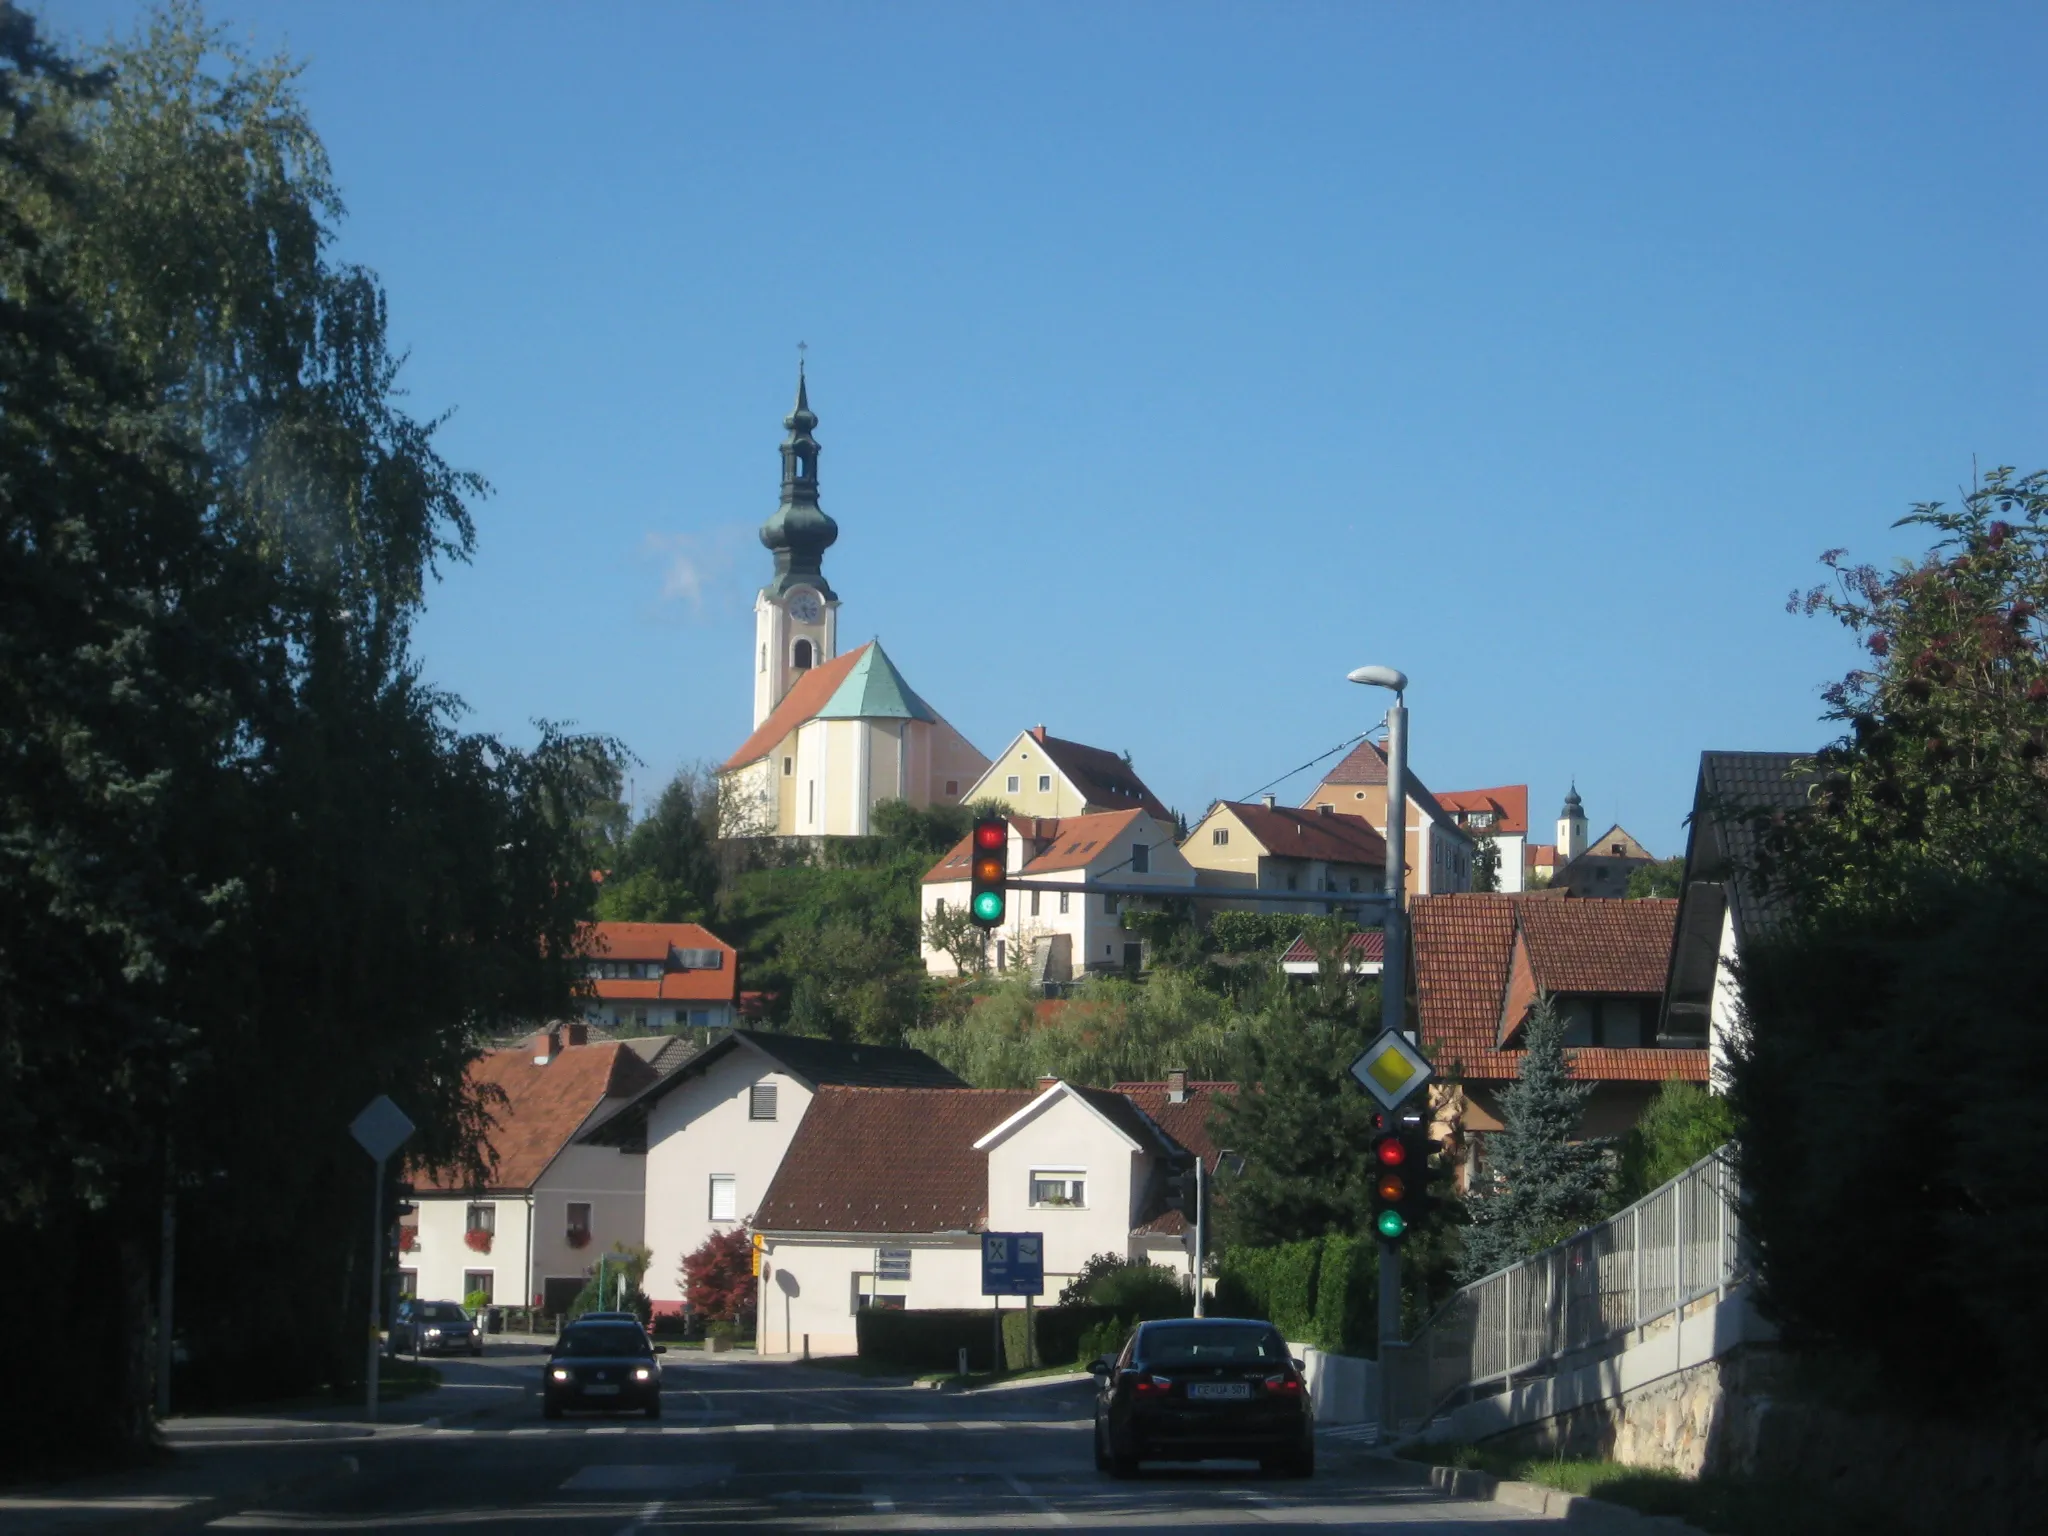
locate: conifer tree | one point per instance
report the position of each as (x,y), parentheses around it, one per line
(1539,1184)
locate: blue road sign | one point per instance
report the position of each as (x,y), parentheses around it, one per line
(1013,1264)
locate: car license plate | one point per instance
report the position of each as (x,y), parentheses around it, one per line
(1219,1390)
(601,1391)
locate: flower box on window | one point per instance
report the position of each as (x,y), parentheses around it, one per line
(577,1237)
(478,1239)
(408,1239)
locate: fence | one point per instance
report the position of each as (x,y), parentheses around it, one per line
(1677,1244)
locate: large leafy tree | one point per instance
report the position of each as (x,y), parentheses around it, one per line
(1541,1182)
(664,871)
(250,873)
(1887,1085)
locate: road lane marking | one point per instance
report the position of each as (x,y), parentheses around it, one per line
(1042,1506)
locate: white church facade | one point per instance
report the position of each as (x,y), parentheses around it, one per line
(834,734)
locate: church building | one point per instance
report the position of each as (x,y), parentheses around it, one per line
(833,733)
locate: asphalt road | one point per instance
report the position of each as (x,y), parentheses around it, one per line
(751,1446)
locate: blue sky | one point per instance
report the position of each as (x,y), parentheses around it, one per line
(1173,360)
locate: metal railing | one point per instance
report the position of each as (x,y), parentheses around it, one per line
(1579,1299)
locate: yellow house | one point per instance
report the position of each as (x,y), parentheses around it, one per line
(1044,775)
(1245,848)
(1439,852)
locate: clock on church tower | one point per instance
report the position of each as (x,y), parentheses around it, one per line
(796,617)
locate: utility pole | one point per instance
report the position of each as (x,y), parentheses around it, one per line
(1201,1237)
(167,1251)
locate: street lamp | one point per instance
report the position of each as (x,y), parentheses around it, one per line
(1393,988)
(1394,960)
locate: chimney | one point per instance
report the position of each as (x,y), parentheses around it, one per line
(1047,1081)
(1267,801)
(1038,734)
(1176,1085)
(579,1033)
(546,1047)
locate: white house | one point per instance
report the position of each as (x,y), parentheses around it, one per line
(885,1192)
(1064,934)
(530,1231)
(711,1134)
(1501,814)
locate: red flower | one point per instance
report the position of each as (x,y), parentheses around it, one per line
(577,1237)
(1880,643)
(408,1239)
(478,1239)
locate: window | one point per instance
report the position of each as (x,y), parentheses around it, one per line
(1034,902)
(481,1218)
(725,1197)
(1290,882)
(1110,906)
(1011,783)
(408,1284)
(579,1222)
(1141,858)
(788,766)
(474,1280)
(1220,837)
(1063,903)
(1354,882)
(700,1018)
(952,786)
(802,656)
(1059,1187)
(1045,783)
(761,1102)
(1616,847)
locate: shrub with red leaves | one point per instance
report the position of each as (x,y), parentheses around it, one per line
(718,1279)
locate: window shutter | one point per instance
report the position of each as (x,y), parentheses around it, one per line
(761,1102)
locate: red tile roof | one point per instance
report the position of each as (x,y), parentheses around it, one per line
(1067,843)
(1366,763)
(810,694)
(1286,833)
(1368,947)
(888,1160)
(543,1107)
(647,941)
(1103,778)
(651,942)
(1465,948)
(1509,804)
(1188,1123)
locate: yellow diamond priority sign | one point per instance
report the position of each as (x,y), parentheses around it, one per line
(1391,1068)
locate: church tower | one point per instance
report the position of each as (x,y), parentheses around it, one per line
(1571,828)
(796,617)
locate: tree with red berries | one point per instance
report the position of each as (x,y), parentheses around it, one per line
(718,1279)
(1892,1137)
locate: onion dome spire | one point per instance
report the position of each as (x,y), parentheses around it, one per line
(799,533)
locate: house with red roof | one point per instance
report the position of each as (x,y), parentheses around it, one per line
(1439,852)
(1061,935)
(1481,961)
(643,976)
(1040,774)
(529,1231)
(884,1194)
(1239,849)
(1500,814)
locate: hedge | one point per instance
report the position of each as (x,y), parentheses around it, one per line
(927,1341)
(1347,1296)
(1244,933)
(1320,1291)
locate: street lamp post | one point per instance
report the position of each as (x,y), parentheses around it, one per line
(1393,993)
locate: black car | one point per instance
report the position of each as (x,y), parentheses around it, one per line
(1193,1389)
(434,1328)
(605,1365)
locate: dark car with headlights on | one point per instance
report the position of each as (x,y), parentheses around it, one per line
(607,1366)
(1197,1389)
(434,1328)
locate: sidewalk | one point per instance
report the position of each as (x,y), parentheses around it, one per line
(224,1462)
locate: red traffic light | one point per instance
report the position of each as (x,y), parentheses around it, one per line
(1390,1152)
(990,834)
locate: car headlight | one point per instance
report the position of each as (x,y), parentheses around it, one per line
(559,1374)
(641,1373)
(433,1333)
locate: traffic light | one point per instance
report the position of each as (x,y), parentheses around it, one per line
(1394,1170)
(988,863)
(1182,1188)
(1418,1203)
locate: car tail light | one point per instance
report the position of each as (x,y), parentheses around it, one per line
(1286,1381)
(1154,1386)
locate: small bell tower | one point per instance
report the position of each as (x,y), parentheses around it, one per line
(1571,828)
(796,616)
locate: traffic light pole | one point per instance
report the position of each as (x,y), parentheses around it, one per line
(1393,1015)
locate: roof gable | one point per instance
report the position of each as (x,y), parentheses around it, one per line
(809,694)
(1366,764)
(1284,832)
(1099,777)
(1509,804)
(543,1107)
(1113,1110)
(647,941)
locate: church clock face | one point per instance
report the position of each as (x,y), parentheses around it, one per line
(804,605)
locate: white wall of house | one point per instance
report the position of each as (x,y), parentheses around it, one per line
(1724,1013)
(702,1131)
(1514,859)
(612,1184)
(442,1262)
(813,1284)
(1065,1137)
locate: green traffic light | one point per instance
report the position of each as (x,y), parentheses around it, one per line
(988,906)
(1391,1224)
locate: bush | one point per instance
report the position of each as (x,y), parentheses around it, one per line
(1682,1125)
(1347,1297)
(476,1301)
(1102,1340)
(928,1340)
(1142,1289)
(1243,933)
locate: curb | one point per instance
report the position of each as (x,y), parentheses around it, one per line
(1482,1487)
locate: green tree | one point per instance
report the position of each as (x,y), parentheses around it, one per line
(1682,1124)
(1540,1183)
(1485,863)
(663,871)
(250,874)
(1660,877)
(1906,902)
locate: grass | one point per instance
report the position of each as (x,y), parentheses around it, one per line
(1731,1506)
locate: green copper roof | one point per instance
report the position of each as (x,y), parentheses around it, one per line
(875,690)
